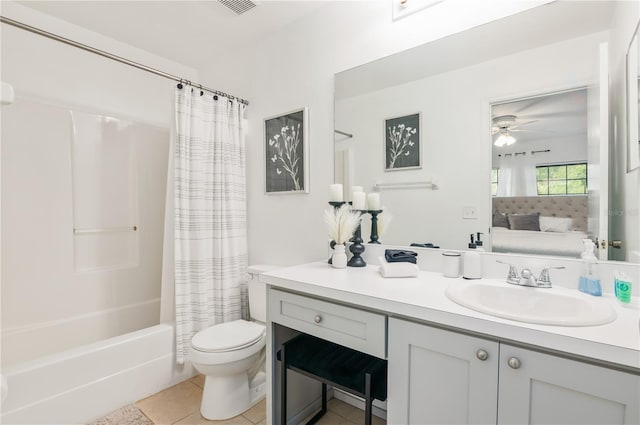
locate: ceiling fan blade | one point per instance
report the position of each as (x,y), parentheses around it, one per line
(533,131)
(562,114)
(529,104)
(521,124)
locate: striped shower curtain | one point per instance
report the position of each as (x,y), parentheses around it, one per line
(210,214)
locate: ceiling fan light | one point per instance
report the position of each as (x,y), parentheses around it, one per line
(504,139)
(510,140)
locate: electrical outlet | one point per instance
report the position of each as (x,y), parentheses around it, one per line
(469,213)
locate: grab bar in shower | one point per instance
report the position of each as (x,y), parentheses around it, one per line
(104,230)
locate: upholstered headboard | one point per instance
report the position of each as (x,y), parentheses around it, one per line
(550,206)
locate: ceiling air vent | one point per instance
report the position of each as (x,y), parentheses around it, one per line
(238,6)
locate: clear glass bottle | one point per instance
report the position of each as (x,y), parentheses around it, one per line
(589,281)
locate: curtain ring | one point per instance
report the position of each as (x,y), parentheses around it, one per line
(180,84)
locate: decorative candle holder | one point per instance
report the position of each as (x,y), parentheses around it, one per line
(374,225)
(336,205)
(357,248)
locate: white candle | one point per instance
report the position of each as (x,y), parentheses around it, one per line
(359,201)
(356,189)
(373,201)
(335,193)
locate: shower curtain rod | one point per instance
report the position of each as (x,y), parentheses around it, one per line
(111,56)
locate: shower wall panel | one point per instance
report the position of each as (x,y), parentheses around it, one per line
(74,185)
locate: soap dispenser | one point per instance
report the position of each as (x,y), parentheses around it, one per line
(472,265)
(589,282)
(479,242)
(472,244)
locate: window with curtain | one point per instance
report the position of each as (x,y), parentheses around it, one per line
(494,181)
(562,179)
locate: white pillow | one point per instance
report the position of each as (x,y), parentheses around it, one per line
(555,224)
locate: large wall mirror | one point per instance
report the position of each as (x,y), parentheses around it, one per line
(529,79)
(633,103)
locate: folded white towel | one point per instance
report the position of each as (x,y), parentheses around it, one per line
(397,269)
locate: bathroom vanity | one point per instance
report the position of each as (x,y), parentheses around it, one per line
(451,364)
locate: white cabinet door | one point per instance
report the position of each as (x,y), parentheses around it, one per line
(439,377)
(538,388)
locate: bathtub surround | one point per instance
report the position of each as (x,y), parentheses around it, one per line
(74,186)
(210,213)
(46,306)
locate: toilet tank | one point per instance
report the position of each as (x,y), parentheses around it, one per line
(258,292)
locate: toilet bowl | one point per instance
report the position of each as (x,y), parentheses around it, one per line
(231,356)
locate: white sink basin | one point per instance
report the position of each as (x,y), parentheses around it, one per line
(547,306)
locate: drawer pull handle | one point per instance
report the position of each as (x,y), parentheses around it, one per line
(482,355)
(317,319)
(514,363)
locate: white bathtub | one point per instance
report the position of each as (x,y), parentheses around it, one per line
(79,385)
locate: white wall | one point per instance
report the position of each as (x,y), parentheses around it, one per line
(40,289)
(456,146)
(295,68)
(563,149)
(624,189)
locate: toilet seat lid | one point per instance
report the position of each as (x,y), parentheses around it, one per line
(228,336)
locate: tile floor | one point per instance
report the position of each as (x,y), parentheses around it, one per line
(180,405)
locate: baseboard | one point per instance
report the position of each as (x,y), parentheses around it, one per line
(379,407)
(307,411)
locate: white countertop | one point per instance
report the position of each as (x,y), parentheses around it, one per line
(423,298)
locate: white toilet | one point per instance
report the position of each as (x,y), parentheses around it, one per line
(231,356)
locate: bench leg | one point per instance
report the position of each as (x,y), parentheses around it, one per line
(324,398)
(368,400)
(323,410)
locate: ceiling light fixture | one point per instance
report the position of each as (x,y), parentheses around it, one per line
(238,6)
(504,139)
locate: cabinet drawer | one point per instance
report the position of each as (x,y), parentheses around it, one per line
(361,330)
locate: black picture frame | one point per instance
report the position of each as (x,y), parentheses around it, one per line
(286,150)
(402,142)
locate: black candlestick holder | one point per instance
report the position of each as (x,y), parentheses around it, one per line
(374,225)
(356,247)
(336,205)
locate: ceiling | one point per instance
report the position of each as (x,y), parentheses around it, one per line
(561,20)
(557,116)
(188,32)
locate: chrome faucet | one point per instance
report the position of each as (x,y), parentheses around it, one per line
(526,278)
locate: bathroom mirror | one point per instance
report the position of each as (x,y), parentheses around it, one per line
(633,100)
(452,84)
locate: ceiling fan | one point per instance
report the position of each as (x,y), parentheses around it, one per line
(504,125)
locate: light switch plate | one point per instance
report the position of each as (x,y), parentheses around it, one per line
(469,213)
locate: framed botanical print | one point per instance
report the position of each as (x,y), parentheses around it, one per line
(287,153)
(402,142)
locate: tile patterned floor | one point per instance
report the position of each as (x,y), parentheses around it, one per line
(180,405)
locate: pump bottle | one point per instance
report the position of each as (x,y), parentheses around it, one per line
(589,282)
